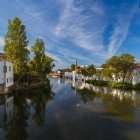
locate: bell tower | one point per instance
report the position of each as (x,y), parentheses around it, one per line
(76,65)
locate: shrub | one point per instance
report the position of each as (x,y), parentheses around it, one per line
(137,86)
(121,85)
(112,84)
(97,82)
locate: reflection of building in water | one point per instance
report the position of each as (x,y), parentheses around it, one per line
(63,80)
(133,95)
(6,110)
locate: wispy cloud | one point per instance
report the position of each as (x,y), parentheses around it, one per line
(72,28)
(74,22)
(1,41)
(121,28)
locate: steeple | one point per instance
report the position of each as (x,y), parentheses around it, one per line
(75,65)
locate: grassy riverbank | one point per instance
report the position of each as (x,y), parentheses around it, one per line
(119,85)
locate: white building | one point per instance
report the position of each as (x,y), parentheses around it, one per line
(6,73)
(136,75)
(68,74)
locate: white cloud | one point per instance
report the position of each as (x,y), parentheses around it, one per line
(81,25)
(57,59)
(1,41)
(74,22)
(76,26)
(121,28)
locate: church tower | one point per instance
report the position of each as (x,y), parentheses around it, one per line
(76,65)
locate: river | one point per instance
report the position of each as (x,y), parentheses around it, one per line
(70,111)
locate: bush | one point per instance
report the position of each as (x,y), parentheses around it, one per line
(137,86)
(97,82)
(121,85)
(112,84)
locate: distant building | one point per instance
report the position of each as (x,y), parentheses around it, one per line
(68,74)
(6,72)
(76,76)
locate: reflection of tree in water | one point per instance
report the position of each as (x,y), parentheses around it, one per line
(39,101)
(16,130)
(87,95)
(120,108)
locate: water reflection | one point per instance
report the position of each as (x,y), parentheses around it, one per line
(17,127)
(6,110)
(69,110)
(15,110)
(117,103)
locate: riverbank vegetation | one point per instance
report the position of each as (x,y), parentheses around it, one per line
(117,72)
(18,51)
(119,85)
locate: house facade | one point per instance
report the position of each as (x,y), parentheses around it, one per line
(136,75)
(6,73)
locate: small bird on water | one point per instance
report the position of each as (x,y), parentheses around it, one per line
(78,104)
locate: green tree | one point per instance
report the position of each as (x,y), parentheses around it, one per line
(119,67)
(91,70)
(98,74)
(72,67)
(15,46)
(126,66)
(84,72)
(40,64)
(110,68)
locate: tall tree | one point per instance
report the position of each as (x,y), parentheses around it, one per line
(40,64)
(126,66)
(15,46)
(91,70)
(110,68)
(119,67)
(72,67)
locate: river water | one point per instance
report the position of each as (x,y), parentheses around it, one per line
(70,111)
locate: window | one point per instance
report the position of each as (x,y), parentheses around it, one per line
(7,80)
(4,69)
(9,68)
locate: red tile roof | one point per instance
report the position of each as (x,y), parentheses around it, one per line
(3,59)
(138,65)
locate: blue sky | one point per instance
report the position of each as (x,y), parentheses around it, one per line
(89,30)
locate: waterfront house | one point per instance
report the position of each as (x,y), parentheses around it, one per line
(136,75)
(6,73)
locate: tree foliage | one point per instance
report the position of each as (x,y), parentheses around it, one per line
(89,71)
(72,67)
(119,67)
(41,64)
(15,46)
